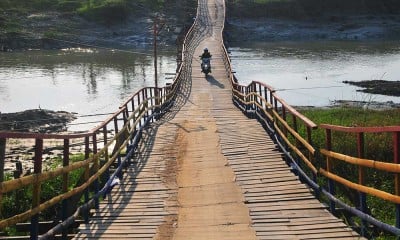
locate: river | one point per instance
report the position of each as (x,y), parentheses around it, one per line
(84,81)
(95,82)
(312,73)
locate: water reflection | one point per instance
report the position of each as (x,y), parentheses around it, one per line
(85,82)
(311,73)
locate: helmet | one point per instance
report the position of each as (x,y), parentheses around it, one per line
(205,49)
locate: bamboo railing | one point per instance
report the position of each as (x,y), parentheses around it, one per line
(125,126)
(293,133)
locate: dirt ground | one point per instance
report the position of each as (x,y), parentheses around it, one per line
(388,88)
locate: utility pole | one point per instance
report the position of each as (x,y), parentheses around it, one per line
(156,30)
(155,34)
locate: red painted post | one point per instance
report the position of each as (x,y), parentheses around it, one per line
(360,152)
(266,96)
(361,180)
(87,175)
(96,166)
(295,127)
(105,141)
(139,101)
(65,185)
(396,157)
(133,104)
(125,115)
(285,131)
(271,98)
(116,125)
(331,185)
(145,97)
(152,102)
(37,168)
(2,158)
(259,98)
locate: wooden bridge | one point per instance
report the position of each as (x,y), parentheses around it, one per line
(184,162)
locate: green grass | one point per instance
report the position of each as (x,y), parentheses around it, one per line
(377,147)
(109,11)
(19,201)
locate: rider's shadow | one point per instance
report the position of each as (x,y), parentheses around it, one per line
(214,81)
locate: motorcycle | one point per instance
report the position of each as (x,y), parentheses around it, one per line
(206,66)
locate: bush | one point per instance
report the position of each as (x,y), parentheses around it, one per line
(69,5)
(377,147)
(110,11)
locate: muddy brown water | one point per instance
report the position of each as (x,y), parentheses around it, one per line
(84,81)
(90,81)
(312,73)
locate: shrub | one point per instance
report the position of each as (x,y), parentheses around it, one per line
(69,5)
(110,11)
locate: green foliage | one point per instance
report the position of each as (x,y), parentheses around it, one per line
(69,5)
(377,147)
(19,201)
(108,11)
(51,34)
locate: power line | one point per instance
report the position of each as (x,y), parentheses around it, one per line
(290,89)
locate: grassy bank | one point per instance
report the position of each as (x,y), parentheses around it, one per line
(33,24)
(377,147)
(99,10)
(304,9)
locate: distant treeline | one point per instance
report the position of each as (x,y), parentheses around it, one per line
(303,9)
(109,10)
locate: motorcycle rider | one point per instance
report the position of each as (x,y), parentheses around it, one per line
(206,54)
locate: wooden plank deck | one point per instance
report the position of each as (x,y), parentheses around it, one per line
(206,171)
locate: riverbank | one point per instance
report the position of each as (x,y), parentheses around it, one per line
(36,28)
(313,20)
(349,28)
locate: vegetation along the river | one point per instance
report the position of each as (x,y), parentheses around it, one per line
(44,24)
(26,24)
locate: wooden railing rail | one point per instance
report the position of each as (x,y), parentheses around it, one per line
(123,124)
(363,186)
(260,99)
(103,147)
(294,134)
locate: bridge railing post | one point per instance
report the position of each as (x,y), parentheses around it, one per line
(247,98)
(86,176)
(396,157)
(153,101)
(329,168)
(144,98)
(2,158)
(65,186)
(96,166)
(266,96)
(116,129)
(260,96)
(285,131)
(106,157)
(138,105)
(36,187)
(312,157)
(361,180)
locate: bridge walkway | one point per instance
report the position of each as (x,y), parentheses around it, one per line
(206,171)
